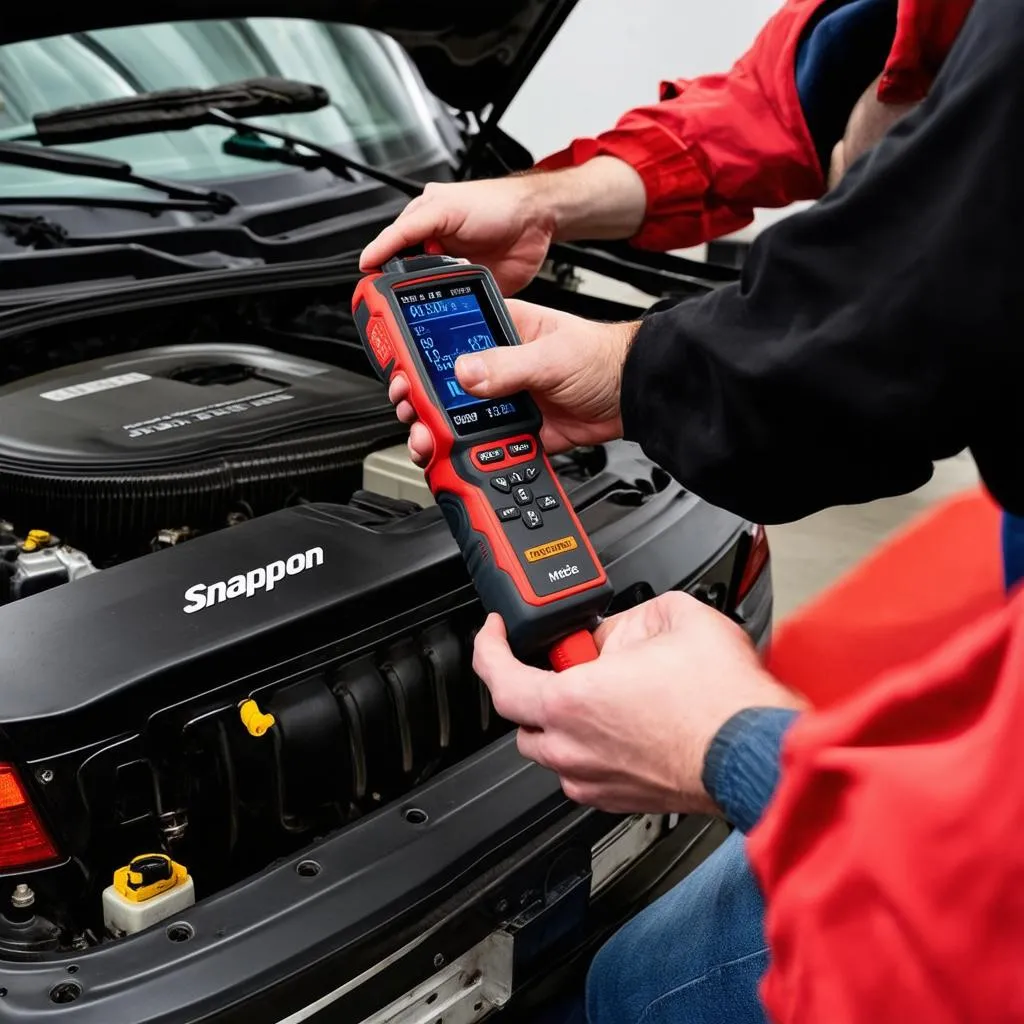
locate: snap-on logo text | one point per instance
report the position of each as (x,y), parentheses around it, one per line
(255,581)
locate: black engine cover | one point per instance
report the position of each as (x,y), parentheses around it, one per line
(122,447)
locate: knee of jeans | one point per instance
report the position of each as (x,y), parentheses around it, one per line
(624,976)
(611,975)
(713,917)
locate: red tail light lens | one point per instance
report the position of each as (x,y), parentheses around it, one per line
(23,840)
(757,556)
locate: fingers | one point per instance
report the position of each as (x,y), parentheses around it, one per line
(528,318)
(663,614)
(398,395)
(416,224)
(533,321)
(503,371)
(398,389)
(530,743)
(421,444)
(516,689)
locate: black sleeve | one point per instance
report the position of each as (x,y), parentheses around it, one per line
(872,334)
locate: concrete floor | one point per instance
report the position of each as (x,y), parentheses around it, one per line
(808,555)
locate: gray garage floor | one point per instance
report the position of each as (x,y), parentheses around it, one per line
(810,554)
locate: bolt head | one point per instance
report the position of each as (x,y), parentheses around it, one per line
(45,776)
(23,897)
(439,960)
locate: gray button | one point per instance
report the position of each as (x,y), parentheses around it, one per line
(531,519)
(505,514)
(515,477)
(501,483)
(520,448)
(489,455)
(546,501)
(523,495)
(531,473)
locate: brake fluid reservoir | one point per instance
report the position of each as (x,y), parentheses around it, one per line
(148,890)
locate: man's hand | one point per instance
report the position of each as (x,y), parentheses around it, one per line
(572,367)
(629,732)
(502,224)
(508,224)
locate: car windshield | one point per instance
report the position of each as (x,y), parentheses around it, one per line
(380,112)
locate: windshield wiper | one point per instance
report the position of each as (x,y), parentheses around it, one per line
(182,109)
(61,161)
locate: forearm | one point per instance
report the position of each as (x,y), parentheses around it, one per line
(715,147)
(603,198)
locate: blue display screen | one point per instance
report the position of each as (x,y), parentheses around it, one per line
(447,321)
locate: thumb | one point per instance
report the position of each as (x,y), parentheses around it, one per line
(497,372)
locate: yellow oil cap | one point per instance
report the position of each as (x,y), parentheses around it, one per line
(35,540)
(147,876)
(253,719)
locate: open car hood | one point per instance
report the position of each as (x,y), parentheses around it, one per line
(472,54)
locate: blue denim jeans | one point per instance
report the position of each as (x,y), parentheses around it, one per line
(1013,549)
(696,956)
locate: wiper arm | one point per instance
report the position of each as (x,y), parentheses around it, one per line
(246,143)
(61,161)
(182,109)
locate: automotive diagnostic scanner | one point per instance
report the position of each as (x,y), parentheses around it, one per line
(523,544)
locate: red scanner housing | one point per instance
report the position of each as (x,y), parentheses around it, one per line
(523,544)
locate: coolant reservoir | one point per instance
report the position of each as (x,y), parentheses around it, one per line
(149,889)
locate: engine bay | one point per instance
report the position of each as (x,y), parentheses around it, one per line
(143,446)
(250,652)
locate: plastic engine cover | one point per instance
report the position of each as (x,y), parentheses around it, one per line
(169,436)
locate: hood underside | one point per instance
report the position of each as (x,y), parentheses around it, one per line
(471,53)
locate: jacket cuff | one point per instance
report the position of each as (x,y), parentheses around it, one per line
(741,767)
(673,181)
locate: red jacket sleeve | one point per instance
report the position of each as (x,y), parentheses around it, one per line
(891,856)
(717,147)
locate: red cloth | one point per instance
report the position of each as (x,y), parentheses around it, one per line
(937,574)
(890,857)
(717,147)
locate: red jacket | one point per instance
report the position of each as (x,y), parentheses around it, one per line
(891,857)
(717,147)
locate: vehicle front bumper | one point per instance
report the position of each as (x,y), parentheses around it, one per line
(502,857)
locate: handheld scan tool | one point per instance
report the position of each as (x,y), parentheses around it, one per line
(523,544)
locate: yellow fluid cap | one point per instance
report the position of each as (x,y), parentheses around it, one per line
(149,875)
(253,719)
(36,539)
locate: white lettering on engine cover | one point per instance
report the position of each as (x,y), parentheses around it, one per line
(255,581)
(92,387)
(568,570)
